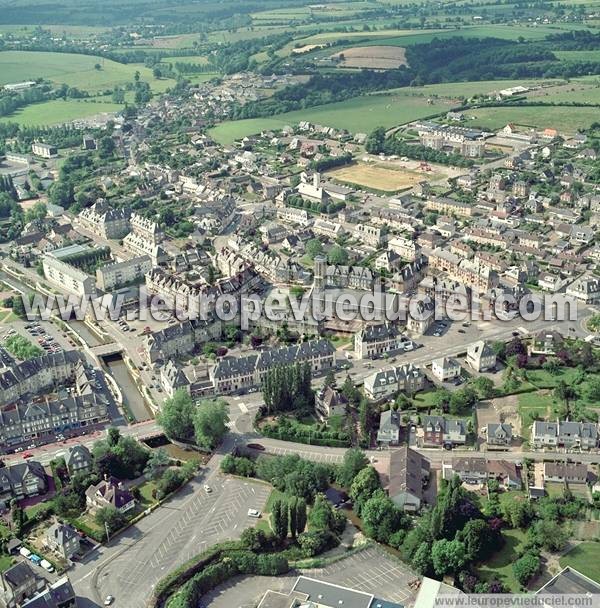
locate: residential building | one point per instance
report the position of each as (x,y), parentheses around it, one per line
(445,369)
(565,472)
(233,374)
(78,459)
(471,470)
(499,434)
(27,416)
(373,341)
(570,435)
(586,289)
(19,583)
(389,428)
(352,277)
(408,477)
(437,431)
(294,216)
(506,473)
(372,236)
(63,539)
(547,342)
(406,378)
(67,277)
(59,594)
(119,274)
(330,402)
(22,480)
(44,150)
(105,221)
(481,356)
(109,493)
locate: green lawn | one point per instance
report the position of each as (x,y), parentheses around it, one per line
(59,111)
(500,565)
(5,562)
(554,489)
(585,558)
(146,490)
(578,55)
(73,70)
(359,114)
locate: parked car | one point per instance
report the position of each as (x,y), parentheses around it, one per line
(253,513)
(256,446)
(207,488)
(108,600)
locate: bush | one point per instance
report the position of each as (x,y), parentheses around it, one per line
(238,465)
(315,542)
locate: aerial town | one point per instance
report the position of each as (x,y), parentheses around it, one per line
(250,358)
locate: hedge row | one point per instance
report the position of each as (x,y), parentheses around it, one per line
(305,439)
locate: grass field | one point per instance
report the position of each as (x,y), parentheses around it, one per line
(59,111)
(566,119)
(73,70)
(578,55)
(585,558)
(377,177)
(359,114)
(500,565)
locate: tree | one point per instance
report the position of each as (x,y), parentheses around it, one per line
(448,556)
(177,416)
(354,462)
(110,519)
(479,539)
(106,146)
(484,387)
(593,388)
(550,535)
(159,459)
(300,515)
(421,560)
(337,256)
(279,519)
(97,66)
(112,436)
(313,248)
(517,513)
(293,516)
(381,518)
(171,480)
(526,567)
(364,485)
(210,422)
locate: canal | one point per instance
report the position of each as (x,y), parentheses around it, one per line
(133,399)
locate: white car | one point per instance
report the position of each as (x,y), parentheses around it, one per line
(207,488)
(108,600)
(253,513)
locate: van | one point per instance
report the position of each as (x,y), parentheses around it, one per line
(46,565)
(25,552)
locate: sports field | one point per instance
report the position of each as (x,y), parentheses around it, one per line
(378,177)
(59,111)
(73,70)
(360,114)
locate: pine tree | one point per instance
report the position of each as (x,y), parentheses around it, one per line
(300,515)
(293,511)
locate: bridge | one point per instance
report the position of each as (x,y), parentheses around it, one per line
(105,350)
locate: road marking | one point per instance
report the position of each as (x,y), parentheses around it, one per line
(243,407)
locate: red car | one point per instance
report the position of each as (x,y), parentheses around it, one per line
(28,455)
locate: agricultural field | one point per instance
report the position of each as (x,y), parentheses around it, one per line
(73,70)
(578,55)
(58,111)
(563,118)
(374,57)
(385,178)
(357,114)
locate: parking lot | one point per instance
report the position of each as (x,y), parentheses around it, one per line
(371,570)
(177,533)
